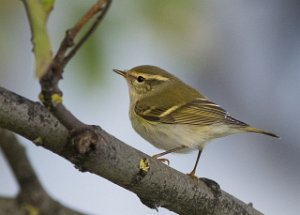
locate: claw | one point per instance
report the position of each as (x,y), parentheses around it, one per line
(163,160)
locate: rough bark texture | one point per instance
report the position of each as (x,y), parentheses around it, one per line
(157,186)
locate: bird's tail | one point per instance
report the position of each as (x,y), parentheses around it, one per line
(256,130)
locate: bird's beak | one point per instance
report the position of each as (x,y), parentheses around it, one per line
(120,72)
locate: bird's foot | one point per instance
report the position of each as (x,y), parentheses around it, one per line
(164,160)
(192,174)
(214,186)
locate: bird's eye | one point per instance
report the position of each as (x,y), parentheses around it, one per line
(140,79)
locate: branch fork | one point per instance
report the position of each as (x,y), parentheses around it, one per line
(83,136)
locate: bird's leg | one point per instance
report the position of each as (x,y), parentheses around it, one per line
(192,173)
(214,186)
(167,152)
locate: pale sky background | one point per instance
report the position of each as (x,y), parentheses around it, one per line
(244,55)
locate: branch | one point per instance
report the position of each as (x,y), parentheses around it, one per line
(32,196)
(156,184)
(10,206)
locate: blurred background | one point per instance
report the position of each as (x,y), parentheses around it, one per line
(244,55)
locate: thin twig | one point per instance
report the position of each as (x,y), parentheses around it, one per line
(100,7)
(84,38)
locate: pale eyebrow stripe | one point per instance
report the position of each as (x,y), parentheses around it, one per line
(150,76)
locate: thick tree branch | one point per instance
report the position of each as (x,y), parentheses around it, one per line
(32,196)
(157,185)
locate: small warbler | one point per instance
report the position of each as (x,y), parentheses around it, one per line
(174,116)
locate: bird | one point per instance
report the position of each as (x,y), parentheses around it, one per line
(175,117)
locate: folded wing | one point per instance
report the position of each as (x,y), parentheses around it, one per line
(197,112)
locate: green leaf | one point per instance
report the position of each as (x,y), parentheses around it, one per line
(38,12)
